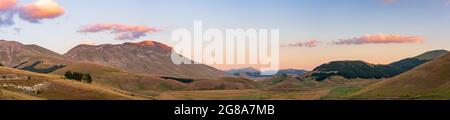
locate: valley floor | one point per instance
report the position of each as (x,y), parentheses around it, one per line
(252,94)
(108,92)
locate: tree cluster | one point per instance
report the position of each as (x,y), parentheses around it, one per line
(78,76)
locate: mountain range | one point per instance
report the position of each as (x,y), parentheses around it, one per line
(143,70)
(147,57)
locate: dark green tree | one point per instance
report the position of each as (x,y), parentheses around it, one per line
(78,76)
(68,75)
(87,78)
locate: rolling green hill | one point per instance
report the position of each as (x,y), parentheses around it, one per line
(355,69)
(428,81)
(361,69)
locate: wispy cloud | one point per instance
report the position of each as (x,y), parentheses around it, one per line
(379,39)
(7,12)
(6,18)
(310,43)
(31,12)
(121,31)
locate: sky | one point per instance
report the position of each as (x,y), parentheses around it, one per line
(312,32)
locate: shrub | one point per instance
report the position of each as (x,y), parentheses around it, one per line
(87,78)
(78,76)
(68,75)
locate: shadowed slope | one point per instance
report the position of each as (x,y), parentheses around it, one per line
(30,57)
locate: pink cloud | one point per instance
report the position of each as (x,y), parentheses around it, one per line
(310,43)
(121,31)
(7,4)
(41,9)
(379,39)
(31,12)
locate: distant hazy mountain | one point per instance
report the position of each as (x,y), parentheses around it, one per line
(361,69)
(254,73)
(291,72)
(30,57)
(428,81)
(243,70)
(147,57)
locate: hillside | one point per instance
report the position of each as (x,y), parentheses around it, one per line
(410,63)
(355,69)
(428,81)
(149,85)
(361,69)
(19,84)
(432,54)
(134,82)
(147,57)
(30,57)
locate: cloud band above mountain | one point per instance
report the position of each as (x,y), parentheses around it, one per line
(379,39)
(121,31)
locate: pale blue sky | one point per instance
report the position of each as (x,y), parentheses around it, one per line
(298,20)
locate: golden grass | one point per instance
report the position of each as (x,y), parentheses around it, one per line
(428,81)
(250,94)
(10,95)
(60,89)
